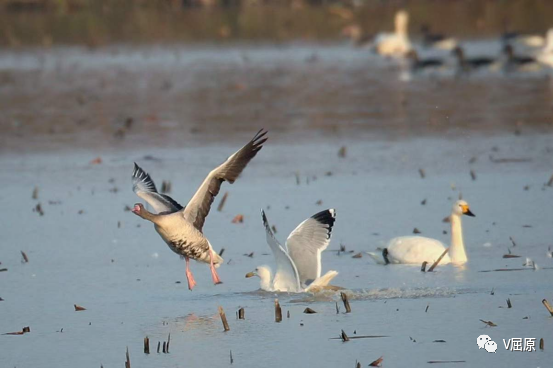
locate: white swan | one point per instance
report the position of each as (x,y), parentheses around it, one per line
(299,262)
(416,250)
(397,43)
(544,55)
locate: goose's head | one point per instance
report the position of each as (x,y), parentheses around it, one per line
(508,50)
(458,52)
(461,207)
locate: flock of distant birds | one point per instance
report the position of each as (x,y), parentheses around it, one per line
(298,262)
(533,51)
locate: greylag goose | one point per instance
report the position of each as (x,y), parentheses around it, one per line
(417,64)
(181,228)
(514,61)
(437,40)
(467,64)
(299,262)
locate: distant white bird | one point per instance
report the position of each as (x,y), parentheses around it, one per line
(394,44)
(544,55)
(416,249)
(181,228)
(299,262)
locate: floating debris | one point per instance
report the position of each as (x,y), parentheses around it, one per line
(446,219)
(146,345)
(309,311)
(472,174)
(513,242)
(345,302)
(274,229)
(342,152)
(422,173)
(319,202)
(509,303)
(4,270)
(223,319)
(128,359)
(239,218)
(510,256)
(424,201)
(377,362)
(509,160)
(251,255)
(488,323)
(38,209)
(427,308)
(357,256)
(96,161)
(24,256)
(472,160)
(438,260)
(240,313)
(423,266)
(79,308)
(35,193)
(158,350)
(297,175)
(23,331)
(439,341)
(222,202)
(231,356)
(445,361)
(278,313)
(416,231)
(547,306)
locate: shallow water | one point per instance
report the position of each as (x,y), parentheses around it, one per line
(127,278)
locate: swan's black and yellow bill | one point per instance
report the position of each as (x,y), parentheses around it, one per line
(466,211)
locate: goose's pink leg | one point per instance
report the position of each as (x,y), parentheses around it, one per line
(190,278)
(215,277)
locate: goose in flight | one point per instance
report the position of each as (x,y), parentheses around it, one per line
(416,249)
(181,228)
(299,262)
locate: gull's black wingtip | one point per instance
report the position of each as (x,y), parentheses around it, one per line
(326,217)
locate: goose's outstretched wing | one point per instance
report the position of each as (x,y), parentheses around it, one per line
(145,188)
(306,243)
(198,207)
(286,276)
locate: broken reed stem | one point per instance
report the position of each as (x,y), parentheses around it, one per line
(509,303)
(278,313)
(423,266)
(343,336)
(438,260)
(288,314)
(337,307)
(223,319)
(25,258)
(164,348)
(241,313)
(158,350)
(541,344)
(427,308)
(345,301)
(222,202)
(128,361)
(168,339)
(547,306)
(146,345)
(231,356)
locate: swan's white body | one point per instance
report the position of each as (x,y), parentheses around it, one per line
(416,249)
(394,44)
(544,56)
(299,262)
